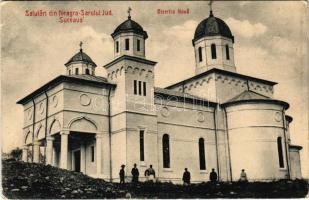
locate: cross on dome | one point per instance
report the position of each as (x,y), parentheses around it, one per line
(129,12)
(210,7)
(81,45)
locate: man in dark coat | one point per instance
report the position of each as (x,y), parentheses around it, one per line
(135,174)
(122,174)
(213,176)
(186,177)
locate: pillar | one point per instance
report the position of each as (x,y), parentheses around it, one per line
(54,157)
(83,158)
(25,154)
(49,150)
(64,149)
(99,154)
(36,151)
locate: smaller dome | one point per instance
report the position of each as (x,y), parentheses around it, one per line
(212,26)
(81,57)
(130,26)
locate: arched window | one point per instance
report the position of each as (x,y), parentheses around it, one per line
(213,51)
(200,54)
(166,151)
(76,71)
(280,153)
(87,71)
(201,147)
(227,52)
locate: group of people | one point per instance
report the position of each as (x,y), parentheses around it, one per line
(150,175)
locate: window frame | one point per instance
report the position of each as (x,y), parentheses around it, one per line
(117,46)
(139,87)
(227,52)
(166,159)
(127,44)
(280,152)
(76,71)
(138,45)
(200,54)
(92,153)
(202,155)
(142,145)
(144,89)
(135,87)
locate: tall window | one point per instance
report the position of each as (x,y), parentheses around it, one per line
(87,71)
(117,46)
(140,87)
(166,151)
(200,54)
(213,51)
(138,45)
(280,153)
(69,72)
(227,52)
(141,145)
(92,153)
(135,86)
(127,44)
(201,147)
(144,88)
(76,71)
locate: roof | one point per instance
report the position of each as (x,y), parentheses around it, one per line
(181,95)
(130,26)
(81,56)
(212,26)
(97,81)
(247,95)
(253,97)
(132,58)
(224,72)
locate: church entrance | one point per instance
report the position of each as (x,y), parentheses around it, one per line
(77,161)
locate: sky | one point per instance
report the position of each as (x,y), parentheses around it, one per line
(270,43)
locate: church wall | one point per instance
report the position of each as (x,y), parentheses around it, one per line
(135,123)
(253,130)
(91,167)
(119,149)
(295,163)
(132,45)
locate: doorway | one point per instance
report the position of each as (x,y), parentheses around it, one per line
(77,161)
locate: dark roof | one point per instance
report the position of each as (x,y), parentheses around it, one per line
(220,71)
(81,56)
(295,147)
(130,26)
(212,26)
(96,81)
(132,58)
(247,95)
(181,95)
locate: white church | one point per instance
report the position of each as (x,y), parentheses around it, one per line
(216,119)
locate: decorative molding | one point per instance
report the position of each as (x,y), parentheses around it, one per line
(81,118)
(165,111)
(200,117)
(55,100)
(84,99)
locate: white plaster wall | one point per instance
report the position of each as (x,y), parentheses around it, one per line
(132,44)
(253,130)
(295,164)
(119,152)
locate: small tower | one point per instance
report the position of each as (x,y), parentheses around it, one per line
(80,64)
(213,45)
(129,38)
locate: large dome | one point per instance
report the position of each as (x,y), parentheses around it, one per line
(212,26)
(81,56)
(130,26)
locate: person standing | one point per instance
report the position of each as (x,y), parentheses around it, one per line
(122,174)
(243,176)
(135,174)
(213,177)
(150,174)
(186,177)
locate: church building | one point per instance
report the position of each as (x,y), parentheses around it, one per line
(216,119)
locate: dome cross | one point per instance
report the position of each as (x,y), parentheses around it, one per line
(81,45)
(210,7)
(129,12)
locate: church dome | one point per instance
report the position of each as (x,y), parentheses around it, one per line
(212,26)
(130,26)
(81,57)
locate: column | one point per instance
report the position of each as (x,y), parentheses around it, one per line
(49,150)
(64,149)
(54,157)
(83,158)
(36,151)
(99,154)
(25,154)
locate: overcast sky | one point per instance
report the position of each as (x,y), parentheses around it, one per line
(270,43)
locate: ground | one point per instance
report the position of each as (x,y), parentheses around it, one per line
(29,180)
